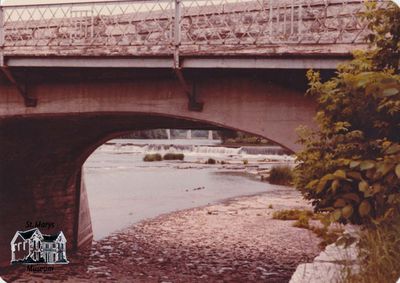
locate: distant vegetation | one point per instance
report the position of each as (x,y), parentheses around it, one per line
(152,157)
(168,156)
(174,156)
(211,161)
(233,137)
(281,175)
(147,134)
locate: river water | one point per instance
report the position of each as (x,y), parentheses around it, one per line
(124,190)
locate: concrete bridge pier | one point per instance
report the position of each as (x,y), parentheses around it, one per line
(41,183)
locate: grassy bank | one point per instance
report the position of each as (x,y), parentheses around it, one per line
(379,253)
(302,219)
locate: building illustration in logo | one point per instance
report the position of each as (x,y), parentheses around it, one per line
(32,247)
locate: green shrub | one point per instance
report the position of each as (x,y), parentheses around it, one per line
(173,156)
(281,175)
(350,165)
(292,214)
(211,161)
(152,157)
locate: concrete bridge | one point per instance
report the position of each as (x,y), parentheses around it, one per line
(75,75)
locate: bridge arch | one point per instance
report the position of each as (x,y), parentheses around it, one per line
(43,148)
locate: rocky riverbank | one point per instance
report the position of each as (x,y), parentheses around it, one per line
(234,241)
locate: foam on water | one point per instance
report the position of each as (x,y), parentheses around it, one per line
(195,148)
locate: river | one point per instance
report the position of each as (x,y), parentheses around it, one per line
(124,190)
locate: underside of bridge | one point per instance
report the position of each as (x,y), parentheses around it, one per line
(43,148)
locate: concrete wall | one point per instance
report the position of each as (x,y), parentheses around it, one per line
(42,149)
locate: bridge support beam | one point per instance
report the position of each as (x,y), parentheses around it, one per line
(190,91)
(21,87)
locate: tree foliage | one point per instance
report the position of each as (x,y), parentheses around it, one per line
(350,165)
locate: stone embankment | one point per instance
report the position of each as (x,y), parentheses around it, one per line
(332,264)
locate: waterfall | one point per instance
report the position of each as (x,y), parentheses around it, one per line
(196,147)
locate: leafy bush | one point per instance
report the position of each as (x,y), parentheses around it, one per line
(281,175)
(211,161)
(350,166)
(152,157)
(173,156)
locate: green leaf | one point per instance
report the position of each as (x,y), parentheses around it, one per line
(364,208)
(367,164)
(339,203)
(347,211)
(337,214)
(312,184)
(363,186)
(384,168)
(340,174)
(376,188)
(354,164)
(397,170)
(352,196)
(323,181)
(335,185)
(394,148)
(390,91)
(354,175)
(321,185)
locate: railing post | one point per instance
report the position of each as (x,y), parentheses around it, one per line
(1,35)
(177,32)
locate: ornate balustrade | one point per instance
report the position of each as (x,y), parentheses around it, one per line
(164,27)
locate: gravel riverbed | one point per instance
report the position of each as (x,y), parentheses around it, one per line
(233,241)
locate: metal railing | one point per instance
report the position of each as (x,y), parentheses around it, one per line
(162,26)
